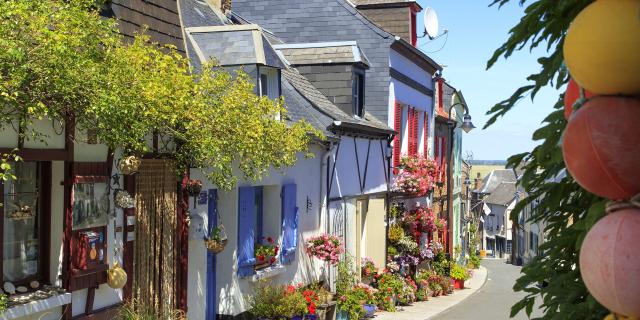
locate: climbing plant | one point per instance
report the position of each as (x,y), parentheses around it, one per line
(61,61)
(567,210)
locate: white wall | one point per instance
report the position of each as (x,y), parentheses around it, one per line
(230,290)
(346,182)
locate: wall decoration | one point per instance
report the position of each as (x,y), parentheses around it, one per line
(90,205)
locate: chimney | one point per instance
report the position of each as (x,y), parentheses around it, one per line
(394,16)
(223,5)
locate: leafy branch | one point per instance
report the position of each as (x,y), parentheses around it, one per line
(556,201)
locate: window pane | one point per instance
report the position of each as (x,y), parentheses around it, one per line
(264,85)
(21,223)
(90,205)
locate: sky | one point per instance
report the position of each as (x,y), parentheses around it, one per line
(475,31)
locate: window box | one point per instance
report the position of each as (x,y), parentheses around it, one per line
(268,272)
(37,306)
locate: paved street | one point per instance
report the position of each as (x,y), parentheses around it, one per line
(494,300)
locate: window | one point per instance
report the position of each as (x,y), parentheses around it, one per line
(508,246)
(259,210)
(25,223)
(269,82)
(358,93)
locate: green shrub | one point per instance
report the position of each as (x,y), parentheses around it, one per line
(474,261)
(458,272)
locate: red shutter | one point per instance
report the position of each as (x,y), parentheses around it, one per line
(416,127)
(397,140)
(425,130)
(443,158)
(413,131)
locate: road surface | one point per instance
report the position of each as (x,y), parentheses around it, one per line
(494,300)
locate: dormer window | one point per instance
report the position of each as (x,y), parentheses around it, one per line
(358,92)
(269,82)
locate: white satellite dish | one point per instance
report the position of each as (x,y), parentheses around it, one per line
(431,23)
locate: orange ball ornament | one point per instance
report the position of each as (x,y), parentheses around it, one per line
(610,262)
(571,96)
(601,146)
(602,47)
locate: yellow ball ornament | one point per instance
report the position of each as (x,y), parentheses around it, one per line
(116,277)
(602,47)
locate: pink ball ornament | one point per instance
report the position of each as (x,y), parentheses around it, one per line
(610,261)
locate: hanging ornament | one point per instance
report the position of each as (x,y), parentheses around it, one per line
(571,96)
(600,146)
(116,277)
(602,47)
(610,261)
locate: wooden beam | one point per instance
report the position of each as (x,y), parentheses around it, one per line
(31,154)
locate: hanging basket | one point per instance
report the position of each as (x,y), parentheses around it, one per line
(193,187)
(215,246)
(124,200)
(129,165)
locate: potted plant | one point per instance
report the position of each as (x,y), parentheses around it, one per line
(390,286)
(458,275)
(293,304)
(129,165)
(351,304)
(417,175)
(367,270)
(265,254)
(193,187)
(325,247)
(266,301)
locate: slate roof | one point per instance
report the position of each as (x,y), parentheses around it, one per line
(319,101)
(503,194)
(322,53)
(243,45)
(305,21)
(495,178)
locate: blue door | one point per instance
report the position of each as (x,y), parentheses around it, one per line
(211,258)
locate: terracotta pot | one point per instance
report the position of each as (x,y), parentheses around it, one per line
(458,284)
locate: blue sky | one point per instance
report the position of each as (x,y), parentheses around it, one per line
(475,31)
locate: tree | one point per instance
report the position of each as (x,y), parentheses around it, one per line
(60,60)
(568,210)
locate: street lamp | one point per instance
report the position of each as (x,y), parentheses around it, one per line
(466,126)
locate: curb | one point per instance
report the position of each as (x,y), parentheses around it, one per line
(469,296)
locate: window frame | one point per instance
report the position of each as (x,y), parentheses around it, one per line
(44,227)
(259,203)
(358,92)
(271,74)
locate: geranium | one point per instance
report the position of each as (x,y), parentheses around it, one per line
(266,252)
(368,267)
(435,247)
(392,267)
(417,175)
(426,253)
(325,247)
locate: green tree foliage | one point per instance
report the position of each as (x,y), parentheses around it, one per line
(60,60)
(567,210)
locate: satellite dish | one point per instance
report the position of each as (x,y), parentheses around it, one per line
(431,23)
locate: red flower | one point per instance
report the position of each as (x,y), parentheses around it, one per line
(260,258)
(291,289)
(308,299)
(312,308)
(273,259)
(269,239)
(276,249)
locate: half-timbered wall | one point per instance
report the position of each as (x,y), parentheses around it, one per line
(360,168)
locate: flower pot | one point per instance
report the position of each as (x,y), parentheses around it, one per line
(458,284)
(310,317)
(326,311)
(342,315)
(370,310)
(297,318)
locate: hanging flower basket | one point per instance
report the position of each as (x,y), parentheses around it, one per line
(124,200)
(215,246)
(417,176)
(193,187)
(129,165)
(217,240)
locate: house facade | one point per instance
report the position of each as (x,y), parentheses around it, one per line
(342,189)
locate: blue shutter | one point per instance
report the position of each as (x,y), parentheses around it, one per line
(211,307)
(246,227)
(289,223)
